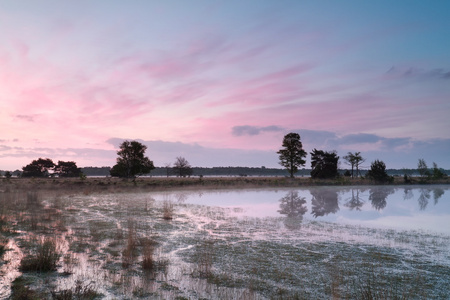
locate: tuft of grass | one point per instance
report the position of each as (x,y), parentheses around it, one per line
(168,210)
(129,253)
(43,259)
(80,292)
(148,261)
(204,258)
(20,291)
(3,243)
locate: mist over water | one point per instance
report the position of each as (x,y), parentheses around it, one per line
(424,208)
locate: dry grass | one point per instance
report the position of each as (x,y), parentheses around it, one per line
(81,291)
(108,184)
(129,253)
(204,258)
(43,258)
(168,210)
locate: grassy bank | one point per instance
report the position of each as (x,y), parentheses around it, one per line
(98,184)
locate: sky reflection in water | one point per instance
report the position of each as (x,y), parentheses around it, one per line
(399,207)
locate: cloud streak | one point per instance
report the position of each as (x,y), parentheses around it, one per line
(254,130)
(224,76)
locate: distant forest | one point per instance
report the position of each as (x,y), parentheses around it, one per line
(239,171)
(232,171)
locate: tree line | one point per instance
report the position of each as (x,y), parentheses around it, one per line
(132,162)
(324,164)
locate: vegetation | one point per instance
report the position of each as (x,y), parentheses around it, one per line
(38,168)
(67,169)
(324,164)
(81,291)
(181,167)
(117,241)
(132,161)
(292,154)
(422,168)
(437,172)
(43,258)
(378,173)
(354,160)
(43,166)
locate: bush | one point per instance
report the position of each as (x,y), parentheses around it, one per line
(85,292)
(20,291)
(378,173)
(44,258)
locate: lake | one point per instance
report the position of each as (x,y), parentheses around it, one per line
(424,208)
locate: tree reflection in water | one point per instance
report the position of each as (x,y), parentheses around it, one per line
(355,201)
(378,195)
(437,193)
(408,193)
(425,195)
(324,201)
(294,208)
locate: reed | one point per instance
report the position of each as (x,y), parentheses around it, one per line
(44,257)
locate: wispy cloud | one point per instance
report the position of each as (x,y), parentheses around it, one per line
(420,73)
(254,130)
(28,118)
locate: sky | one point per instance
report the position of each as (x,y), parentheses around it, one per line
(221,82)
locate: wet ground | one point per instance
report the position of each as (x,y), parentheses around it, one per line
(208,244)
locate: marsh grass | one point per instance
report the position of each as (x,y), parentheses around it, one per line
(81,291)
(168,210)
(212,255)
(130,252)
(3,243)
(148,260)
(204,258)
(375,286)
(21,291)
(44,257)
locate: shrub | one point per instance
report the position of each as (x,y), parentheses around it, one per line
(19,290)
(167,210)
(378,173)
(84,292)
(43,259)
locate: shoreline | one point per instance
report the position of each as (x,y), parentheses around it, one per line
(113,184)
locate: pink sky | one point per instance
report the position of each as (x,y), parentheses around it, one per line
(223,83)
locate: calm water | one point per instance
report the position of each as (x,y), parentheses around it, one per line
(399,207)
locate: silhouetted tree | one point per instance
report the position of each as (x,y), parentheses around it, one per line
(182,167)
(437,172)
(8,174)
(422,168)
(378,172)
(38,168)
(292,154)
(67,169)
(324,164)
(354,160)
(132,161)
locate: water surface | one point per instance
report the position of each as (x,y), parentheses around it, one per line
(424,208)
